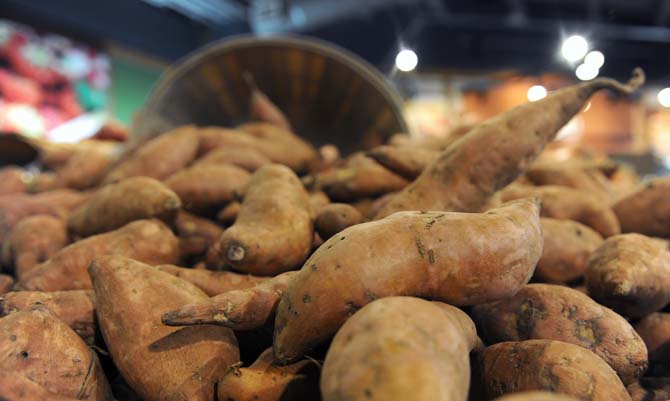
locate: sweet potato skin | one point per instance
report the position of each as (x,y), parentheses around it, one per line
(14,180)
(87,167)
(160,363)
(208,187)
(655,331)
(149,241)
(75,308)
(551,366)
(274,229)
(6,283)
(650,389)
(246,158)
(336,217)
(551,312)
(364,262)
(573,175)
(567,247)
(32,241)
(535,396)
(646,211)
(406,161)
(228,214)
(118,204)
(40,346)
(17,387)
(302,153)
(213,282)
(196,234)
(400,348)
(630,273)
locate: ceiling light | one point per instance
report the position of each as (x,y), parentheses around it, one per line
(406,60)
(574,48)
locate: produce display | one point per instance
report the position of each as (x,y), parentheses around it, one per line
(242,263)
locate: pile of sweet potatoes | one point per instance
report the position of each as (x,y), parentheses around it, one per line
(242,263)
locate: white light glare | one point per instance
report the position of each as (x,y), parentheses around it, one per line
(586,72)
(664,97)
(406,60)
(574,48)
(536,92)
(595,59)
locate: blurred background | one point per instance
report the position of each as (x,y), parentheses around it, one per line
(69,66)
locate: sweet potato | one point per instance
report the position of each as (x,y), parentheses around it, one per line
(158,362)
(207,188)
(573,175)
(551,312)
(17,387)
(14,180)
(400,348)
(283,137)
(75,308)
(569,204)
(264,380)
(406,161)
(38,345)
(196,234)
(646,211)
(45,182)
(655,331)
(551,366)
(87,167)
(148,241)
(6,283)
(158,158)
(336,217)
(535,396)
(495,152)
(244,309)
(317,201)
(214,282)
(228,214)
(630,273)
(360,177)
(247,158)
(261,107)
(431,142)
(567,247)
(650,389)
(273,232)
(458,258)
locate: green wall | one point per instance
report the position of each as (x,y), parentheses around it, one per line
(132,80)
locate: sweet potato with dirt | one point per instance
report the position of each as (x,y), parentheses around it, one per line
(406,161)
(360,177)
(630,273)
(75,308)
(572,175)
(40,346)
(458,258)
(244,309)
(567,247)
(400,348)
(495,152)
(14,180)
(274,229)
(148,241)
(549,365)
(18,387)
(535,396)
(207,188)
(650,389)
(285,138)
(158,158)
(551,312)
(569,204)
(214,282)
(160,363)
(196,234)
(228,214)
(655,331)
(247,158)
(87,167)
(6,283)
(336,217)
(646,211)
(265,380)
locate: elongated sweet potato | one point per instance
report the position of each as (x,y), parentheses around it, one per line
(262,108)
(573,175)
(6,283)
(265,380)
(535,396)
(14,180)
(567,247)
(495,152)
(317,201)
(630,273)
(281,136)
(228,214)
(159,362)
(459,258)
(207,188)
(273,232)
(196,234)
(148,241)
(646,211)
(406,161)
(118,204)
(551,312)
(552,366)
(650,389)
(569,204)
(214,282)
(38,345)
(247,158)
(87,166)
(244,309)
(75,308)
(336,217)
(17,387)
(400,348)
(655,331)
(360,177)
(158,158)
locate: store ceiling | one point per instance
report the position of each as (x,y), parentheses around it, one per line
(482,35)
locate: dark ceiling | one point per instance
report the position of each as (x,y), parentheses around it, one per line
(473,35)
